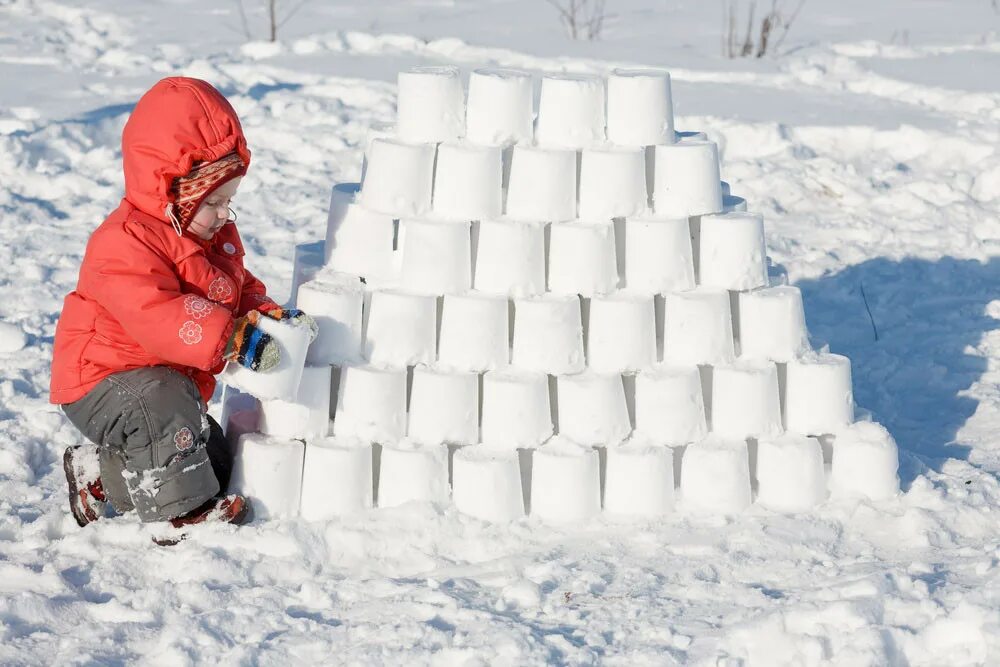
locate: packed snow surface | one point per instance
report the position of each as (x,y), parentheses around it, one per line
(870,147)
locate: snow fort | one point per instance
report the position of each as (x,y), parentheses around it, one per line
(553,312)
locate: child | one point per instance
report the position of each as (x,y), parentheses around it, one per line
(162,303)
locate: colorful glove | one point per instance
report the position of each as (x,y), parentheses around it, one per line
(295,316)
(251,347)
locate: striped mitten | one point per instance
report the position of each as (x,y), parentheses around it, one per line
(251,347)
(296,317)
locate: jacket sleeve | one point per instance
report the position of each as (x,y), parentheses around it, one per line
(254,296)
(139,288)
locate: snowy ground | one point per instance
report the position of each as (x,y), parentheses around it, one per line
(871,148)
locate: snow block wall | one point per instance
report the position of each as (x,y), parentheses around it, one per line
(569,304)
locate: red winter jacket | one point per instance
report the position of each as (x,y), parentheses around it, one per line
(145,296)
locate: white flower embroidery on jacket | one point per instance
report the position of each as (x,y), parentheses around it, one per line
(190,332)
(220,289)
(197,307)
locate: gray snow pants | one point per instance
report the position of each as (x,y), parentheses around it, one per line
(160,453)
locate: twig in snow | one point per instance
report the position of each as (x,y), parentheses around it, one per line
(871,318)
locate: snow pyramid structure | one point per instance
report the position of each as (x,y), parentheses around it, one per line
(554,313)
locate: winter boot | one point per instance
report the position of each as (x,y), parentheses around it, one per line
(86,495)
(233,508)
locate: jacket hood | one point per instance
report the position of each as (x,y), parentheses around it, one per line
(178,122)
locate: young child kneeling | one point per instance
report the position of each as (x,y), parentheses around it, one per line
(162,303)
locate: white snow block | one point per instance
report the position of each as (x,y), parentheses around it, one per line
(475,334)
(240,414)
(337,306)
(431,104)
(467,182)
(621,333)
(773,324)
(510,258)
(639,479)
(444,407)
(582,258)
(359,241)
(401,329)
(486,483)
(686,179)
(565,481)
(548,334)
(376,130)
(308,416)
(658,256)
(612,183)
(371,404)
(865,463)
(790,474)
(698,327)
(592,408)
(336,478)
(282,381)
(571,111)
(399,179)
(409,473)
(819,397)
(640,108)
(307,262)
(745,400)
(516,409)
(731,251)
(715,477)
(437,256)
(500,111)
(669,405)
(542,185)
(268,470)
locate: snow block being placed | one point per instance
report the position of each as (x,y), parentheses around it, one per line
(444,407)
(640,108)
(773,324)
(410,472)
(698,327)
(658,257)
(336,478)
(865,463)
(468,182)
(669,405)
(399,179)
(510,258)
(337,307)
(371,404)
(612,183)
(686,179)
(475,334)
(359,241)
(431,105)
(819,398)
(516,409)
(565,481)
(715,477)
(582,258)
(621,333)
(308,416)
(486,483)
(592,408)
(731,251)
(282,381)
(268,470)
(548,334)
(437,256)
(401,329)
(571,111)
(790,474)
(542,185)
(745,400)
(501,107)
(639,479)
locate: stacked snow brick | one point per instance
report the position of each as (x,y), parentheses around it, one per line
(568,310)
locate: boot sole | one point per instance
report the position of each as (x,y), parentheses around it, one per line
(74,492)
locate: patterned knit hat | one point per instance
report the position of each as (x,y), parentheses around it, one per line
(191,190)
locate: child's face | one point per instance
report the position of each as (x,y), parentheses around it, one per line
(214,211)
